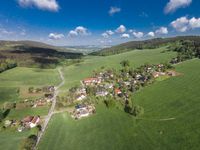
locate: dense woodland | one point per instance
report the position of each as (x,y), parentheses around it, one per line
(147,44)
(186,49)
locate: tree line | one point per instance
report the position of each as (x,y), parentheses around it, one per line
(6,64)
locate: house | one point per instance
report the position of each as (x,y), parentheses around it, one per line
(91,81)
(31,121)
(82,110)
(138,76)
(102,93)
(34,122)
(157,74)
(109,86)
(81,97)
(81,91)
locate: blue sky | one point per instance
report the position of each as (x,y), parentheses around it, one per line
(97,22)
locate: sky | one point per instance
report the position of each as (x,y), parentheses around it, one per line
(97,22)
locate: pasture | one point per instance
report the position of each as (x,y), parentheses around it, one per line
(75,73)
(171,120)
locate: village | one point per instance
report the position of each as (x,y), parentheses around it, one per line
(119,85)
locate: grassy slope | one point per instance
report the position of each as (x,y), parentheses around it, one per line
(176,97)
(75,73)
(24,78)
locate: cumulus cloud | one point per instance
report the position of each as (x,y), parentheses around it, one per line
(180,24)
(50,5)
(114,10)
(184,24)
(72,33)
(194,23)
(110,32)
(80,30)
(151,34)
(125,35)
(138,34)
(107,34)
(162,30)
(173,5)
(121,29)
(55,36)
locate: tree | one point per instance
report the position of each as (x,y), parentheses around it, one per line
(30,89)
(125,63)
(1,115)
(29,143)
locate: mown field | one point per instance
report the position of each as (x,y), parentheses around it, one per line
(171,120)
(16,81)
(75,73)
(14,86)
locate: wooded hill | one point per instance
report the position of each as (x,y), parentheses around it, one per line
(147,44)
(35,54)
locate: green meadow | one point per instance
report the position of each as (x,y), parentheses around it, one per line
(21,78)
(75,73)
(170,120)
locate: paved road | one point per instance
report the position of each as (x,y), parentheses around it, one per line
(48,117)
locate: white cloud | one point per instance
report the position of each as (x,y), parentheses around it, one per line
(105,35)
(78,31)
(162,30)
(173,5)
(72,33)
(184,24)
(181,24)
(138,34)
(114,10)
(55,36)
(151,34)
(125,35)
(194,23)
(121,29)
(50,5)
(110,32)
(81,30)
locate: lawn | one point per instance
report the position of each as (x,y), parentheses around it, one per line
(176,100)
(8,94)
(21,113)
(12,140)
(73,74)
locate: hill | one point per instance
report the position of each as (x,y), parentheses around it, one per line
(147,44)
(170,120)
(31,53)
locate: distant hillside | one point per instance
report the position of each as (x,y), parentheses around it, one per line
(147,44)
(31,53)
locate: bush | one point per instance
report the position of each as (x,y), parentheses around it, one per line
(29,143)
(135,110)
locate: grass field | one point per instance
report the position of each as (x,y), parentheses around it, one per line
(75,73)
(11,140)
(171,120)
(22,78)
(21,113)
